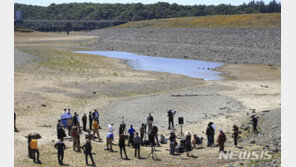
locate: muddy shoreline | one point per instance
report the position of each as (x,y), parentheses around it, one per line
(254,45)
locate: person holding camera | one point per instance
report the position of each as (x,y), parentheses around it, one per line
(155,131)
(171,119)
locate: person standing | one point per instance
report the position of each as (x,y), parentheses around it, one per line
(96,130)
(87,148)
(173,143)
(75,135)
(188,145)
(59,124)
(15,129)
(61,147)
(155,131)
(142,132)
(110,137)
(221,140)
(90,118)
(235,135)
(121,145)
(34,148)
(210,134)
(149,122)
(131,132)
(75,120)
(171,119)
(84,119)
(255,123)
(137,144)
(61,133)
(96,115)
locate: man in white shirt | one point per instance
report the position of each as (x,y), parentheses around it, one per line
(110,137)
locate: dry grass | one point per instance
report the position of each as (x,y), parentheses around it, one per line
(266,20)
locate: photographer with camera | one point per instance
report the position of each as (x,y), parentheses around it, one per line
(155,131)
(171,119)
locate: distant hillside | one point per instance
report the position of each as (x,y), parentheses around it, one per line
(138,11)
(266,20)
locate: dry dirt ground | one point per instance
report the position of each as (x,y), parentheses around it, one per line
(48,78)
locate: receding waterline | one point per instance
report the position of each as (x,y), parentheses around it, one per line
(190,68)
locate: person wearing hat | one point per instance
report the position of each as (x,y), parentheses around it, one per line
(221,140)
(87,148)
(34,148)
(131,132)
(188,145)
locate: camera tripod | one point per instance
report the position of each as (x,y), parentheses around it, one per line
(152,152)
(181,134)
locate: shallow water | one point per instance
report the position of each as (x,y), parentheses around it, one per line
(190,68)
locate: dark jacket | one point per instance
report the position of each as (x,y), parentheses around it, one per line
(60,146)
(255,121)
(61,133)
(210,131)
(75,120)
(221,138)
(149,118)
(87,148)
(84,118)
(121,140)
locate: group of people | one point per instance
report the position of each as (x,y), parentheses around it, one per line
(135,139)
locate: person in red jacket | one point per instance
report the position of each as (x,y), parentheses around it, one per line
(221,140)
